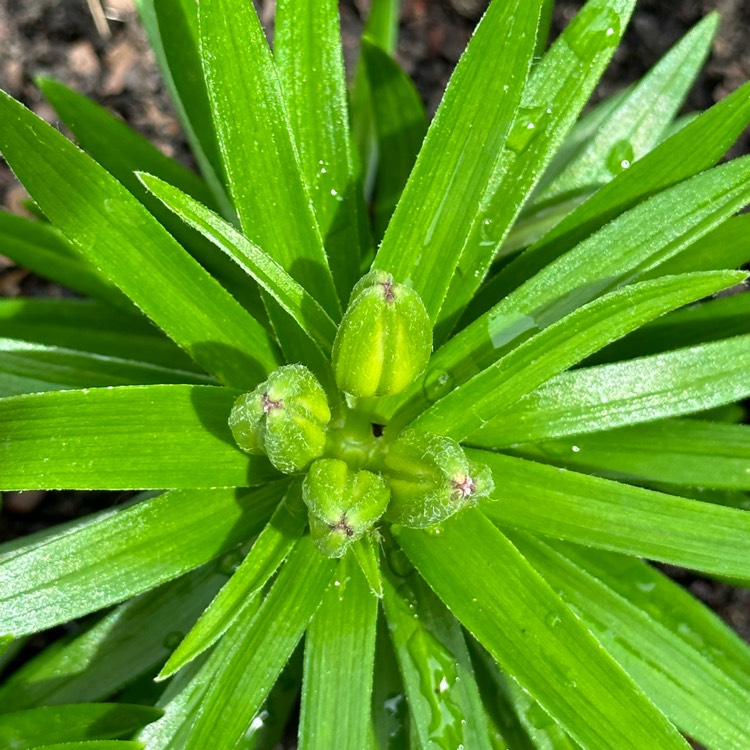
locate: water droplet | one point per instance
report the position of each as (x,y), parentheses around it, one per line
(646,586)
(229,562)
(512,327)
(586,35)
(529,123)
(552,620)
(337,583)
(575,448)
(690,635)
(538,717)
(172,640)
(437,384)
(620,157)
(399,563)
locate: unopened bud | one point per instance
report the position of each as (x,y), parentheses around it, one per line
(344,504)
(431,478)
(384,340)
(285,417)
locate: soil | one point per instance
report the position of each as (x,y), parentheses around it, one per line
(111,62)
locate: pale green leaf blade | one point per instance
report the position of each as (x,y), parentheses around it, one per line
(442,694)
(49,725)
(625,393)
(92,745)
(310,64)
(158,437)
(132,640)
(601,513)
(679,452)
(257,148)
(564,668)
(367,554)
(118,235)
(669,665)
(562,345)
(460,154)
(339,660)
(636,125)
(303,307)
(268,552)
(252,654)
(557,90)
(106,558)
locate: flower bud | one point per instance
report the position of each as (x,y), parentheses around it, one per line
(344,504)
(431,478)
(285,417)
(384,340)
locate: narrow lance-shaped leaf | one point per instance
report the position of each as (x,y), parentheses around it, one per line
(562,345)
(339,661)
(680,451)
(601,513)
(252,654)
(257,148)
(557,91)
(118,235)
(310,63)
(303,307)
(159,437)
(267,553)
(609,396)
(509,609)
(101,560)
(460,153)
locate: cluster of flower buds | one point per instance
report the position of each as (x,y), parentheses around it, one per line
(344,505)
(384,340)
(285,417)
(431,478)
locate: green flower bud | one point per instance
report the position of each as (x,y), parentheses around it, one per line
(384,340)
(285,417)
(431,478)
(344,504)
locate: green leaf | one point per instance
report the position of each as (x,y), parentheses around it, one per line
(159,437)
(130,641)
(251,655)
(635,126)
(310,63)
(130,248)
(601,513)
(673,667)
(27,368)
(90,327)
(92,745)
(268,552)
(58,724)
(442,695)
(680,451)
(695,148)
(558,88)
(107,558)
(303,307)
(367,555)
(460,154)
(511,610)
(339,659)
(43,250)
(256,143)
(560,346)
(609,396)
(400,127)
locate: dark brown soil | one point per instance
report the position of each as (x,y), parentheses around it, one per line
(114,65)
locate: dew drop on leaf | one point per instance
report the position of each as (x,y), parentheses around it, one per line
(530,121)
(172,640)
(602,31)
(229,562)
(620,157)
(437,384)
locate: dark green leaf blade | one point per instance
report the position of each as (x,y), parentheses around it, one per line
(156,437)
(509,609)
(106,558)
(562,345)
(130,248)
(601,513)
(339,660)
(252,654)
(49,725)
(92,745)
(460,153)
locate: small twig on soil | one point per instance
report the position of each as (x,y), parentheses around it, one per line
(100,19)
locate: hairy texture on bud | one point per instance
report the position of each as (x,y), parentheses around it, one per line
(431,478)
(344,504)
(384,340)
(285,417)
